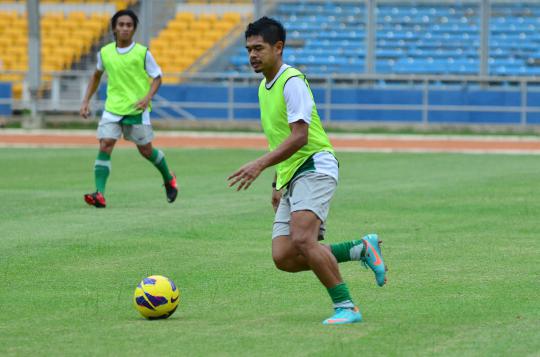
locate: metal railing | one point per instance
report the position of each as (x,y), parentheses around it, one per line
(56,101)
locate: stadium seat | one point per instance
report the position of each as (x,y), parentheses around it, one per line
(428,32)
(189,36)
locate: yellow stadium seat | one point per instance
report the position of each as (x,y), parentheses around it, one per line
(208,17)
(200,26)
(158,42)
(20,65)
(17,50)
(16,90)
(77,15)
(177,26)
(11,77)
(5,42)
(11,14)
(232,17)
(57,15)
(185,16)
(193,52)
(223,26)
(169,79)
(212,34)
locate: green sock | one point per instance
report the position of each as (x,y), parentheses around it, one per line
(158,159)
(347,251)
(340,296)
(102,168)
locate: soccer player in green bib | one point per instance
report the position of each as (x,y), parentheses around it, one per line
(306,175)
(127,108)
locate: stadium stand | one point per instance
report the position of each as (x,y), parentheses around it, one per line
(187,37)
(427,38)
(212,2)
(66,38)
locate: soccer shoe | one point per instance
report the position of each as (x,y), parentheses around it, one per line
(95,199)
(373,259)
(171,189)
(344,316)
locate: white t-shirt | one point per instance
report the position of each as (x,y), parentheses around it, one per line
(152,69)
(299,107)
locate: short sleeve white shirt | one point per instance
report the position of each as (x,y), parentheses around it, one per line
(297,97)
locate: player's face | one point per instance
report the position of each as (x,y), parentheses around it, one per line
(262,55)
(125,28)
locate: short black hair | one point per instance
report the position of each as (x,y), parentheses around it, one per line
(269,29)
(129,13)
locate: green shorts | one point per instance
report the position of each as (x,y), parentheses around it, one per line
(310,191)
(140,134)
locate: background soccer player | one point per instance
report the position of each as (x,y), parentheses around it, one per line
(306,170)
(127,108)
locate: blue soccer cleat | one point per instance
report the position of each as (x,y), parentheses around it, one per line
(373,258)
(344,316)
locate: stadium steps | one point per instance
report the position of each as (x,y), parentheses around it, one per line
(188,37)
(66,39)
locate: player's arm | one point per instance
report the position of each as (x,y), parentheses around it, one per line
(153,70)
(299,107)
(294,142)
(90,90)
(143,103)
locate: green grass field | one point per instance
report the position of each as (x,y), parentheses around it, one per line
(461,233)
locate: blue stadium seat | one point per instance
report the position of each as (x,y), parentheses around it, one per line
(438,38)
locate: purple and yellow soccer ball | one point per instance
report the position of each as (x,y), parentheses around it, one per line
(156,297)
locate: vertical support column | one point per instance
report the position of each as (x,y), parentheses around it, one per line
(328,97)
(371,30)
(257,9)
(55,93)
(230,99)
(425,103)
(145,26)
(485,14)
(34,61)
(524,103)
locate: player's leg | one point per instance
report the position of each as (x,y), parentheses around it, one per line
(309,196)
(287,257)
(108,133)
(367,251)
(304,232)
(304,236)
(142,135)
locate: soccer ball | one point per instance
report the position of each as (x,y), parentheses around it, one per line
(156,297)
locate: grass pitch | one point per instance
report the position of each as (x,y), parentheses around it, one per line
(461,237)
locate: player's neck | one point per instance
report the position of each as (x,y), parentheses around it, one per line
(123,43)
(271,74)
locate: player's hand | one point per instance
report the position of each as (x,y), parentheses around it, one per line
(143,103)
(245,175)
(276,198)
(85,110)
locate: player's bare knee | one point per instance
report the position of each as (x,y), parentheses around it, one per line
(145,151)
(106,145)
(285,264)
(281,264)
(283,261)
(302,242)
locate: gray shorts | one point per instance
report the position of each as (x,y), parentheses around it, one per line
(310,191)
(140,134)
